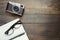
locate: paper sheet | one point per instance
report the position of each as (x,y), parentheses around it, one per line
(16,32)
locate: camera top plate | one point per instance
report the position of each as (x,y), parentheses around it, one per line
(16,4)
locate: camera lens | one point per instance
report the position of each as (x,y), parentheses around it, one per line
(16,8)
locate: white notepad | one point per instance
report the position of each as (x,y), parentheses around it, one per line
(16,32)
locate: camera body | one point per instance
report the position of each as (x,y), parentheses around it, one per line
(15,8)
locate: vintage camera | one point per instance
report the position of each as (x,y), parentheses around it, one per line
(15,8)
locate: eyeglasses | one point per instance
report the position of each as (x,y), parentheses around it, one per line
(10,31)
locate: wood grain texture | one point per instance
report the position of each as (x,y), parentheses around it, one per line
(41,19)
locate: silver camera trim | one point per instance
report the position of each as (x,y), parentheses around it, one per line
(15,4)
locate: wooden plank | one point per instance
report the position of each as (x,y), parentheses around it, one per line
(42,31)
(36,19)
(41,19)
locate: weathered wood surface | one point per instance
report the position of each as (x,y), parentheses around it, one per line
(41,19)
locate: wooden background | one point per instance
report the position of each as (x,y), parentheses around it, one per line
(41,18)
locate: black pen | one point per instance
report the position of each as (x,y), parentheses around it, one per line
(17,36)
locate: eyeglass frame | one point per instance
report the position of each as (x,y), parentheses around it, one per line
(13,26)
